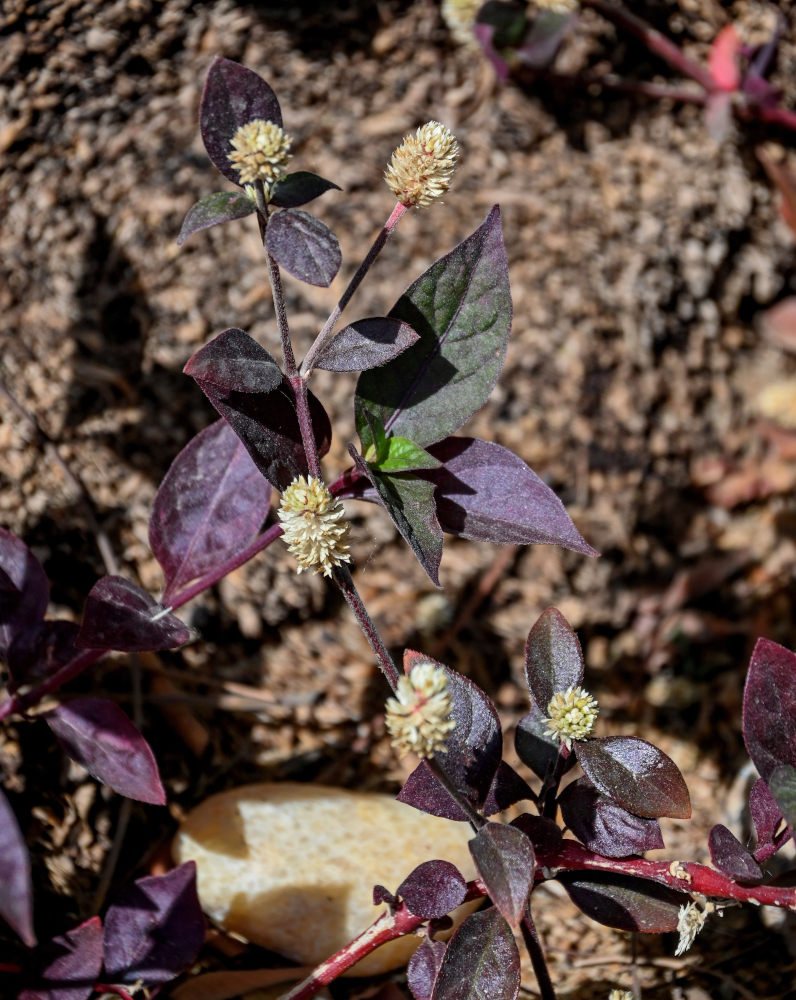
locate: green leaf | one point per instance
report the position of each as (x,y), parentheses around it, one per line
(403,455)
(461,310)
(783,787)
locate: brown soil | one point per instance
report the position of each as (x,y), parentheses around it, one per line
(642,254)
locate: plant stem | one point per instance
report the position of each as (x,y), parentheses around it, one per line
(326,333)
(531,938)
(344,580)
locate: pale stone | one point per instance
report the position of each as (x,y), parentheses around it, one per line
(292,867)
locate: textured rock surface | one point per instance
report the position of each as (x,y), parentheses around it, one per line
(292,867)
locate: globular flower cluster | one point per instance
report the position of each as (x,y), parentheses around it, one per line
(418,718)
(571,715)
(421,167)
(261,152)
(690,921)
(311,520)
(459,17)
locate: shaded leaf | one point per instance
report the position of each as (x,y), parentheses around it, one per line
(783,787)
(24,589)
(265,421)
(765,812)
(16,891)
(233,95)
(234,362)
(99,736)
(624,902)
(366,344)
(543,40)
(210,505)
(119,614)
(298,188)
(425,792)
(486,492)
(220,206)
(769,707)
(730,856)
(543,833)
(636,775)
(481,960)
(410,503)
(461,310)
(433,889)
(38,651)
(424,966)
(605,827)
(553,659)
(505,860)
(507,788)
(155,928)
(67,967)
(535,748)
(303,246)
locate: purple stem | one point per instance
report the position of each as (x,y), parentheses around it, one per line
(343,579)
(531,938)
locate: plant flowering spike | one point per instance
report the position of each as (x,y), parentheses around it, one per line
(233,96)
(119,614)
(67,967)
(155,928)
(605,827)
(730,856)
(16,890)
(769,707)
(506,861)
(433,889)
(624,902)
(24,589)
(303,246)
(553,659)
(481,960)
(99,736)
(210,505)
(424,966)
(636,775)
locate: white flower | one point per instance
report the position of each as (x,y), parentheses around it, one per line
(421,167)
(690,921)
(418,718)
(571,715)
(310,517)
(260,152)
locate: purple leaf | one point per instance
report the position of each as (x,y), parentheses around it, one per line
(769,707)
(542,832)
(382,895)
(119,614)
(505,861)
(636,775)
(603,826)
(487,493)
(507,788)
(208,508)
(299,188)
(221,206)
(730,856)
(783,787)
(461,310)
(425,792)
(234,362)
(433,889)
(67,967)
(424,966)
(303,246)
(265,421)
(155,929)
(16,891)
(366,344)
(481,960)
(39,651)
(233,96)
(24,589)
(765,812)
(553,660)
(624,902)
(410,503)
(97,734)
(544,38)
(535,748)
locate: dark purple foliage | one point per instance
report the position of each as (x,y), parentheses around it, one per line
(382,895)
(535,748)
(410,503)
(303,246)
(67,967)
(423,791)
(155,928)
(636,775)
(769,707)
(730,856)
(505,860)
(543,833)
(221,206)
(481,960)
(433,889)
(461,310)
(424,966)
(487,493)
(783,787)
(299,188)
(605,827)
(234,362)
(553,660)
(766,815)
(266,420)
(507,788)
(119,614)
(24,589)
(97,734)
(16,892)
(233,96)
(366,344)
(208,508)
(624,902)
(38,651)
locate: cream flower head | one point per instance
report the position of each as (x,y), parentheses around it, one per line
(421,167)
(418,718)
(311,519)
(260,152)
(571,715)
